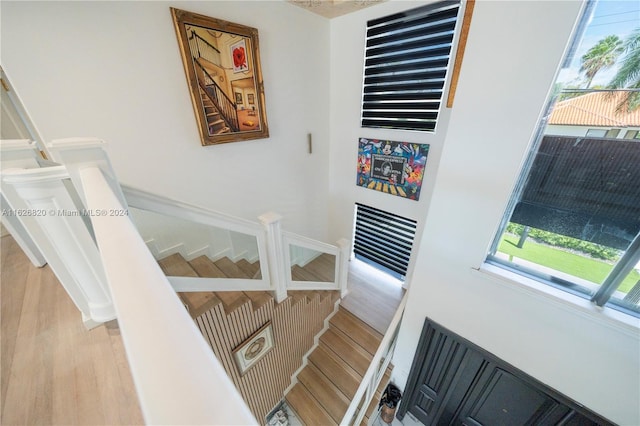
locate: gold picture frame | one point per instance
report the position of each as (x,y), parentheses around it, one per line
(222,64)
(252,350)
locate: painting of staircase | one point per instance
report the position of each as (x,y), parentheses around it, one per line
(215,122)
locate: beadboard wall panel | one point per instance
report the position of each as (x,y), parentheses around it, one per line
(294,326)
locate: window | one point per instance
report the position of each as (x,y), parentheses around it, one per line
(573,221)
(596,133)
(383,239)
(406,60)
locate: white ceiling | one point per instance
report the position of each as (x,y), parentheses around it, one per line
(333,8)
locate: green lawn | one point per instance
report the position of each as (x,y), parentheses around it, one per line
(580,266)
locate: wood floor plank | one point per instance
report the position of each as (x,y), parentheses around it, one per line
(373,295)
(12,288)
(61,373)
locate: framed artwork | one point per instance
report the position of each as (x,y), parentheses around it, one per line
(222,64)
(239,55)
(250,99)
(249,352)
(395,168)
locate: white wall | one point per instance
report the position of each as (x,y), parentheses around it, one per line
(347,60)
(508,69)
(113,70)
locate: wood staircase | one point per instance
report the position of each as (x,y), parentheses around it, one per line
(334,371)
(327,384)
(215,123)
(202,266)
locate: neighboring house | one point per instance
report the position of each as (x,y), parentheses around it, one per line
(594,115)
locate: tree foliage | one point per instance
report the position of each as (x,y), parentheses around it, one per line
(602,55)
(628,75)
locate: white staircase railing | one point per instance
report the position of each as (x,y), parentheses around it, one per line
(87,236)
(42,212)
(371,379)
(303,245)
(176,374)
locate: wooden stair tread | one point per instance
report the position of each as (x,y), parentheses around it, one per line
(232,300)
(304,405)
(199,302)
(352,326)
(176,266)
(324,392)
(205,267)
(251,269)
(306,295)
(229,268)
(300,274)
(258,298)
(323,266)
(352,353)
(336,370)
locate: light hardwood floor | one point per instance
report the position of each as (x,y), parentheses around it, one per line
(373,295)
(55,372)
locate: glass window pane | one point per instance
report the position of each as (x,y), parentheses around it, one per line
(576,208)
(628,293)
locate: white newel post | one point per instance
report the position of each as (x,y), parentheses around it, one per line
(21,154)
(343,272)
(63,238)
(275,251)
(78,153)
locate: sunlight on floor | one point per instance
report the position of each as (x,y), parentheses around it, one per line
(375,273)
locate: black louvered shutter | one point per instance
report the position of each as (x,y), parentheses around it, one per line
(384,239)
(406,62)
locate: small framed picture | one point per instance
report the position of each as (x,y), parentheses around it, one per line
(249,352)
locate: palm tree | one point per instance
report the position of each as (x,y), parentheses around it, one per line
(601,56)
(628,75)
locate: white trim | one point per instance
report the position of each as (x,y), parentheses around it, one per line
(568,302)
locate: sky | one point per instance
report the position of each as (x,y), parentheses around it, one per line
(610,17)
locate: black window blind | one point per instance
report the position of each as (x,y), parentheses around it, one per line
(384,239)
(406,61)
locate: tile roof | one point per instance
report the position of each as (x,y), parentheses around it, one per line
(594,109)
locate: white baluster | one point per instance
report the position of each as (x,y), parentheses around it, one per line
(63,238)
(343,270)
(271,222)
(21,154)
